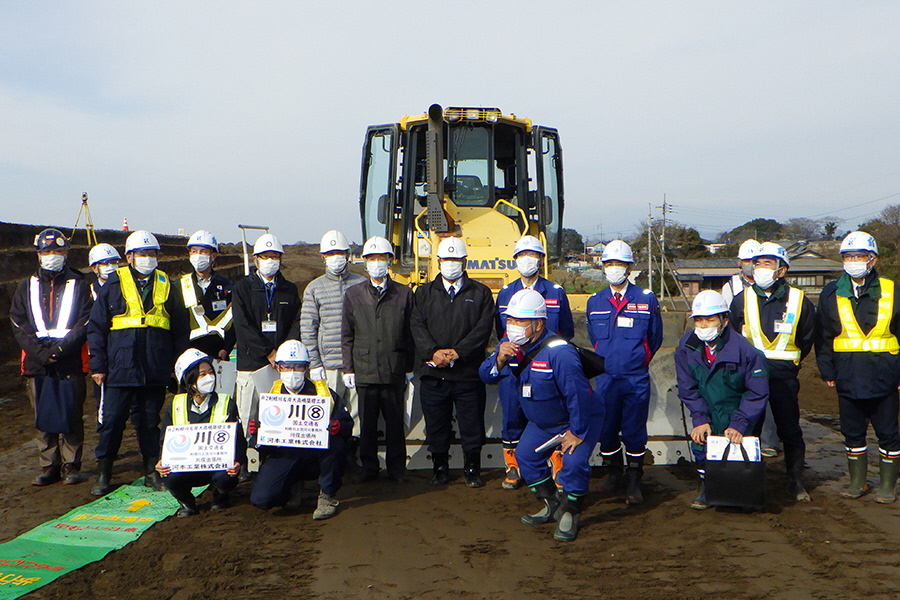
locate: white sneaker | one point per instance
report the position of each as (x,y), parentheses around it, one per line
(326,508)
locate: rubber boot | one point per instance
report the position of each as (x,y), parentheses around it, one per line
(633,474)
(103,485)
(887,487)
(472,470)
(545,491)
(187,501)
(556,464)
(794,459)
(441,466)
(221,500)
(615,464)
(568,515)
(858,466)
(71,474)
(513,479)
(151,478)
(47,476)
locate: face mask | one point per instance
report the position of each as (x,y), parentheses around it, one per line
(268,266)
(615,275)
(200,262)
(764,277)
(451,269)
(706,334)
(376,268)
(52,262)
(335,264)
(857,270)
(206,384)
(527,265)
(747,270)
(293,380)
(106,271)
(517,334)
(145,264)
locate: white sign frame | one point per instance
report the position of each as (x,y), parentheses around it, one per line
(195,448)
(293,421)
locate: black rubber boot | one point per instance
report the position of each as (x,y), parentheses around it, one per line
(220,500)
(441,467)
(151,478)
(615,464)
(568,515)
(188,503)
(887,487)
(104,477)
(544,491)
(794,459)
(472,470)
(858,466)
(633,474)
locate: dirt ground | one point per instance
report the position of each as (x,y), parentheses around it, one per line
(413,541)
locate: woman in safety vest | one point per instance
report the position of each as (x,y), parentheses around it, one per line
(198,402)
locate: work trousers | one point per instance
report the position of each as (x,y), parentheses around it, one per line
(575,475)
(626,403)
(335,380)
(514,420)
(439,397)
(179,483)
(386,400)
(855,415)
(785,405)
(246,397)
(117,405)
(282,467)
(56,449)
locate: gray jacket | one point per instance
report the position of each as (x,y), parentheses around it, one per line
(320,317)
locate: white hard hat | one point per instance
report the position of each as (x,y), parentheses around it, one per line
(526,304)
(267,243)
(292,351)
(452,247)
(333,240)
(774,250)
(203,238)
(617,250)
(859,241)
(529,242)
(748,249)
(708,303)
(102,252)
(377,245)
(141,240)
(188,359)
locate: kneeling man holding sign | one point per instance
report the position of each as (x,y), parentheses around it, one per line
(202,439)
(301,430)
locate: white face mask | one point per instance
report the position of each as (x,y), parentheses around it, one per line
(615,275)
(857,270)
(52,262)
(268,266)
(517,334)
(451,269)
(706,334)
(106,271)
(293,380)
(145,264)
(527,265)
(763,277)
(376,269)
(206,384)
(335,264)
(200,262)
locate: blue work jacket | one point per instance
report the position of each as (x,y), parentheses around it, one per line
(629,337)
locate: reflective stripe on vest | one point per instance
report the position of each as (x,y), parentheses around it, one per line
(880,338)
(180,410)
(60,327)
(784,346)
(200,325)
(134,315)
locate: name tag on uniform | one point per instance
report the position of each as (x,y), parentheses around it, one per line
(624,322)
(269,327)
(526,390)
(219,305)
(783,327)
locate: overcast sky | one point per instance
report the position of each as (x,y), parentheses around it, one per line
(209,114)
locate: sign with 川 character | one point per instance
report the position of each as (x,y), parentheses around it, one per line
(199,447)
(294,421)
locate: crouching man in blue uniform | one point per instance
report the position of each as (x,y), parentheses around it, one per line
(722,380)
(555,397)
(283,466)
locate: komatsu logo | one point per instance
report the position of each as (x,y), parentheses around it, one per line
(493,264)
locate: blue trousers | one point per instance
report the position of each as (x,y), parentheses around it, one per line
(626,401)
(575,475)
(117,405)
(183,482)
(282,467)
(514,420)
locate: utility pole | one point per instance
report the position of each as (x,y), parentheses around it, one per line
(662,252)
(650,246)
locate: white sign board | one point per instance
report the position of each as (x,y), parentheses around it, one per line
(199,447)
(294,421)
(716,445)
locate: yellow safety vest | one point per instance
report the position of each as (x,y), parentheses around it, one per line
(180,410)
(880,338)
(321,389)
(784,346)
(200,325)
(134,315)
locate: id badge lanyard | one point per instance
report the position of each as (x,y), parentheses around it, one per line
(269,326)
